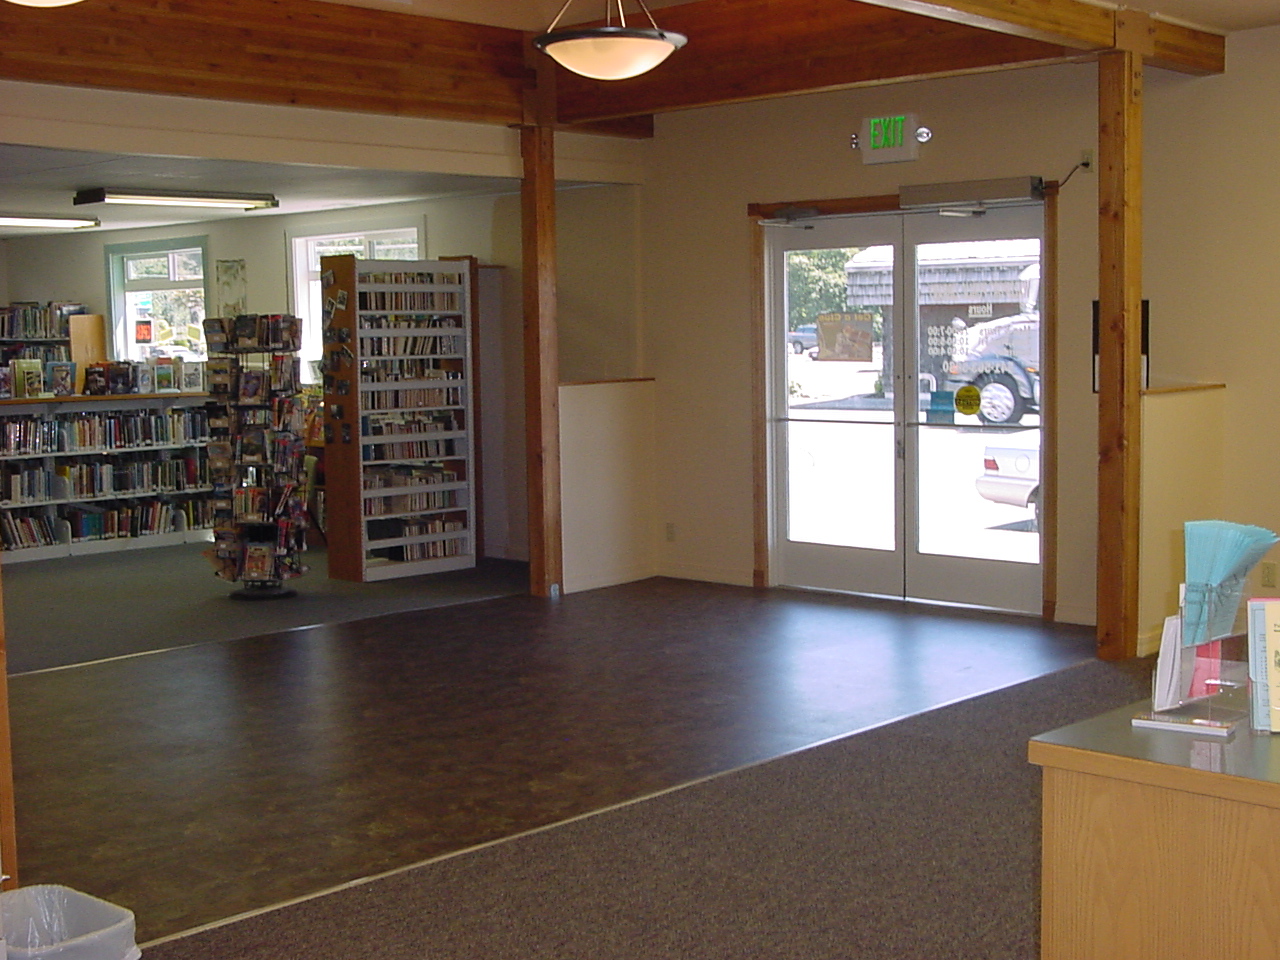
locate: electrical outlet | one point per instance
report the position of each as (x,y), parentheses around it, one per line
(1086,159)
(671,533)
(1267,573)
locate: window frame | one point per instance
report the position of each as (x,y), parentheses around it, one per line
(298,241)
(118,284)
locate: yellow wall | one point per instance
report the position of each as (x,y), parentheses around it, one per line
(1213,241)
(709,164)
(1181,432)
(1212,204)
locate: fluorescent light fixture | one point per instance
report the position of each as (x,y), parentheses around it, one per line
(167,198)
(614,51)
(44,3)
(50,223)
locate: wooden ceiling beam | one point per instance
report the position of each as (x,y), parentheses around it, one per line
(295,52)
(1076,24)
(1070,23)
(742,50)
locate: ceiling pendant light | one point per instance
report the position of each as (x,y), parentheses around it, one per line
(44,3)
(614,51)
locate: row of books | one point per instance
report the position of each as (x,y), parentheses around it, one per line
(45,352)
(420,502)
(29,320)
(410,475)
(412,321)
(253,331)
(409,398)
(32,377)
(393,529)
(404,424)
(90,431)
(411,278)
(105,521)
(229,379)
(391,371)
(424,550)
(410,450)
(101,478)
(156,375)
(424,300)
(451,345)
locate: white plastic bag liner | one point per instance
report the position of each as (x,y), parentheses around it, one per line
(50,922)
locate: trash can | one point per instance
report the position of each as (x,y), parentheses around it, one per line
(50,922)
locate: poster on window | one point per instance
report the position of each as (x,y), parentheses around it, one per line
(142,331)
(844,336)
(233,287)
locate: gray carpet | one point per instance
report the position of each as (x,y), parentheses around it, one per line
(81,609)
(917,839)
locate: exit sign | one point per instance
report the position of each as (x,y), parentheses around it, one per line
(889,139)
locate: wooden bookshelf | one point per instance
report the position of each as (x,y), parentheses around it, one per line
(399,465)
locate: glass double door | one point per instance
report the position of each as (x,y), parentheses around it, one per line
(905,414)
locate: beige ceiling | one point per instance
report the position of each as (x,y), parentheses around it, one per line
(1218,16)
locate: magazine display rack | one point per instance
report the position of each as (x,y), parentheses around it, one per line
(256,423)
(398,431)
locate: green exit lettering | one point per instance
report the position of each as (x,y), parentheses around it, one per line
(886,132)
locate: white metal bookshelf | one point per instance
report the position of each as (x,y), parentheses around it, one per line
(398,417)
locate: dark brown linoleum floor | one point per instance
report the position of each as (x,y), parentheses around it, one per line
(197,783)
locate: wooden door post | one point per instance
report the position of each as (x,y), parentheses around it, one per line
(541,356)
(1119,350)
(8,829)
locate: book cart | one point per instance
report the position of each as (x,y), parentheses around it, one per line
(256,424)
(398,432)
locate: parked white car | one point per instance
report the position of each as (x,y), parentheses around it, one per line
(1011,475)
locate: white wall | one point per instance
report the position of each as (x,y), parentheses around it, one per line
(78,118)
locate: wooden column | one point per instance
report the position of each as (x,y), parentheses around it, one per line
(1049,417)
(541,361)
(1119,350)
(8,832)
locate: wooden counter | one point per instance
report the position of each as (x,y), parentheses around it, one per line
(1159,845)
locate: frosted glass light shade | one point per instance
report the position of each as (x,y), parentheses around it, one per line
(44,3)
(610,53)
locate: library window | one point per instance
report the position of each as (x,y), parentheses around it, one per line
(391,244)
(158,294)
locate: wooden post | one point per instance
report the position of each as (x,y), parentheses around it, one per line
(1119,350)
(1049,421)
(542,369)
(762,486)
(8,831)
